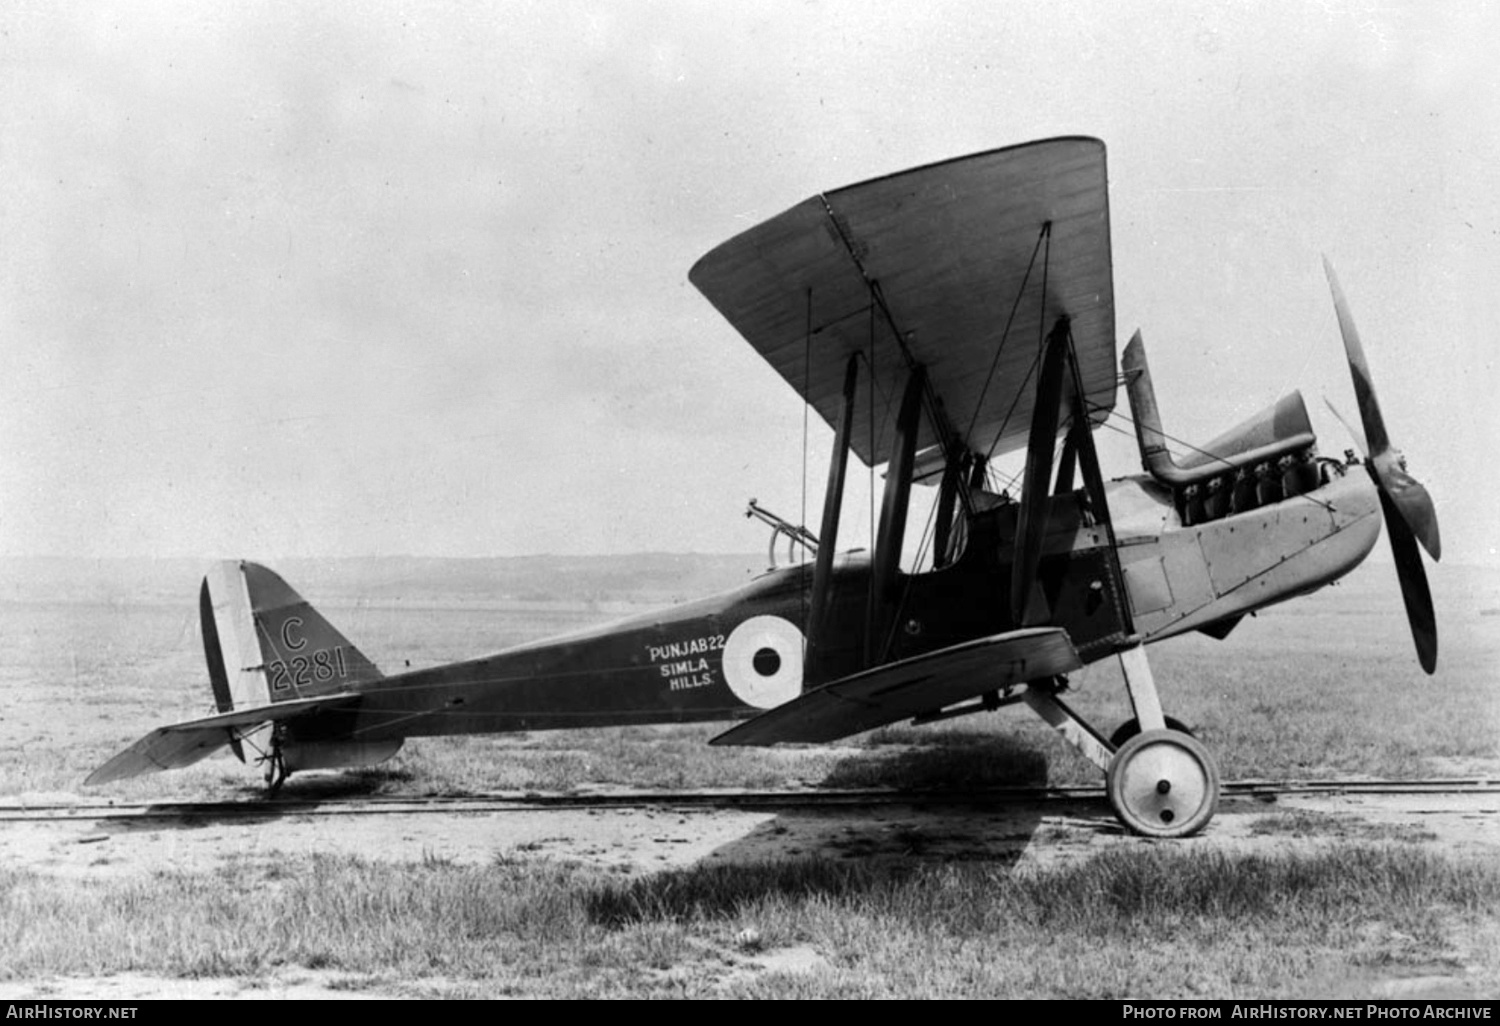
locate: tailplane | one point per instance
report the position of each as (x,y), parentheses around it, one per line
(272,660)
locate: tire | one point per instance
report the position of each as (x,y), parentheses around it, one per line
(1163,783)
(1131,727)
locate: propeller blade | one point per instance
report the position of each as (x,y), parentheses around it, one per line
(1409,500)
(1414,590)
(1359,368)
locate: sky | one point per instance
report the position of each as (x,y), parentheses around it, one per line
(283,280)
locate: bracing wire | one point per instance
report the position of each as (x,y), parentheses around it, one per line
(1044,242)
(1010,411)
(1015,306)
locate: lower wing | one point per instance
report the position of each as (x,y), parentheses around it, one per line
(911,687)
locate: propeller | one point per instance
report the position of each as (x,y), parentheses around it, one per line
(1410,518)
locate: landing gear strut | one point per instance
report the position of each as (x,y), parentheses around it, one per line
(275,762)
(1161,782)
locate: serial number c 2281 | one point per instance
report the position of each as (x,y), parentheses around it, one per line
(303,671)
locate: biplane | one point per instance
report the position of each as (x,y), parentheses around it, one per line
(938,319)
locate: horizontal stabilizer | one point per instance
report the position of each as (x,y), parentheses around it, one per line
(182,744)
(911,687)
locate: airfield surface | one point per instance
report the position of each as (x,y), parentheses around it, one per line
(642,841)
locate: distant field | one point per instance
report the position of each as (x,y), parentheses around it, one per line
(97,653)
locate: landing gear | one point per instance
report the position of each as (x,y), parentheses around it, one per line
(1131,727)
(1163,783)
(275,762)
(1160,779)
(276,773)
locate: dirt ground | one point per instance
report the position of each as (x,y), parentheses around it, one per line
(644,841)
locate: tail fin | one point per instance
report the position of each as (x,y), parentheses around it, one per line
(264,643)
(272,658)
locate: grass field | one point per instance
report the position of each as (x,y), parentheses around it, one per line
(1147,923)
(94,655)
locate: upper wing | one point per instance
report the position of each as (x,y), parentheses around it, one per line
(956,253)
(896,691)
(182,744)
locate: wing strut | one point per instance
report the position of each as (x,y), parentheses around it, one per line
(942,538)
(1082,437)
(893,505)
(1031,525)
(817,616)
(1068,461)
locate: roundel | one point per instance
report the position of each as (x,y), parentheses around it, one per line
(763,661)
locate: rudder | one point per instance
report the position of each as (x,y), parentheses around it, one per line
(265,643)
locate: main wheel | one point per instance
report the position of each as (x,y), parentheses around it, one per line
(1163,783)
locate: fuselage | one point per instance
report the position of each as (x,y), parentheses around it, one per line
(736,654)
